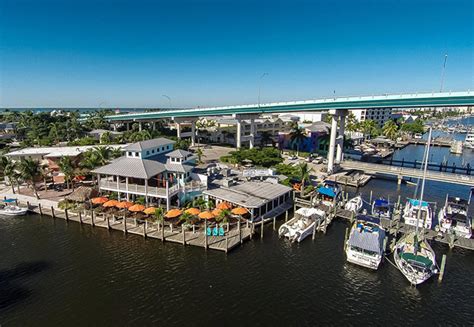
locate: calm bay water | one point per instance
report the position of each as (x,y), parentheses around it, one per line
(54,273)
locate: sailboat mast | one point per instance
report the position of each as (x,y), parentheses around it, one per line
(428,144)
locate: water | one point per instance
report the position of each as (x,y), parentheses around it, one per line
(54,273)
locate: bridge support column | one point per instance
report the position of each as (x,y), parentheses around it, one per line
(193,133)
(332,141)
(140,126)
(238,135)
(178,131)
(399,179)
(340,137)
(252,133)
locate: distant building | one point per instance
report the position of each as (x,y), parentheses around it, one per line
(97,134)
(317,138)
(379,115)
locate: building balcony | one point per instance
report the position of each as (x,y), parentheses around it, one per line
(159,192)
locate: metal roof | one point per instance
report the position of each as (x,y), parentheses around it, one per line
(249,194)
(148,144)
(178,154)
(370,241)
(177,167)
(132,167)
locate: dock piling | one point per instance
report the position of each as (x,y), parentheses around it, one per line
(144,230)
(66,214)
(205,235)
(124,225)
(184,234)
(80,217)
(240,231)
(108,221)
(92,218)
(370,200)
(443,266)
(345,238)
(261,230)
(52,212)
(274,223)
(40,209)
(286,216)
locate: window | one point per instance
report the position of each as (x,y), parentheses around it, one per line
(148,153)
(162,148)
(153,151)
(130,154)
(167,147)
(137,154)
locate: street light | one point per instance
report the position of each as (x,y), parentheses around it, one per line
(169,99)
(260,87)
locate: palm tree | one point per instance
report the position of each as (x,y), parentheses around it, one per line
(390,129)
(9,170)
(368,127)
(102,154)
(29,170)
(297,135)
(304,173)
(67,167)
(106,138)
(352,125)
(115,153)
(200,155)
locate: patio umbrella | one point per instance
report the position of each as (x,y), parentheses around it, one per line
(99,200)
(124,205)
(173,213)
(193,211)
(216,212)
(239,211)
(224,206)
(149,211)
(136,208)
(206,215)
(110,203)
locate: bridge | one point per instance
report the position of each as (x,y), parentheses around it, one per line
(401,172)
(337,106)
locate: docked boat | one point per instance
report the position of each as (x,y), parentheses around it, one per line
(354,204)
(410,214)
(453,217)
(469,141)
(328,194)
(415,258)
(381,208)
(302,225)
(8,208)
(456,147)
(364,246)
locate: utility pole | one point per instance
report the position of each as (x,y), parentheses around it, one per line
(442,73)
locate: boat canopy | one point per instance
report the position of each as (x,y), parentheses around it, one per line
(9,200)
(367,241)
(381,203)
(310,212)
(408,256)
(457,201)
(326,191)
(416,203)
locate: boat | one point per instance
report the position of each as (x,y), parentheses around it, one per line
(302,225)
(328,194)
(410,213)
(8,208)
(469,141)
(413,255)
(453,217)
(365,245)
(456,147)
(381,208)
(354,204)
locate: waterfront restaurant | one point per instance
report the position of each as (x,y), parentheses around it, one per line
(149,169)
(263,199)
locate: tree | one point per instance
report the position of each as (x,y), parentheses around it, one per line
(266,137)
(67,167)
(368,127)
(29,170)
(352,125)
(304,173)
(297,135)
(106,138)
(115,153)
(10,171)
(199,154)
(102,154)
(159,214)
(390,129)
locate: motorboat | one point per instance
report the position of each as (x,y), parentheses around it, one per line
(453,217)
(302,225)
(365,245)
(415,258)
(328,194)
(354,204)
(410,213)
(456,147)
(469,141)
(381,208)
(8,208)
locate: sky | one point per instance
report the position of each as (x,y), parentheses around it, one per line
(138,53)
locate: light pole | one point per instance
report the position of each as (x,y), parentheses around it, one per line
(169,99)
(260,87)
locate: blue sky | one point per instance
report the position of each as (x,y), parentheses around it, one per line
(81,53)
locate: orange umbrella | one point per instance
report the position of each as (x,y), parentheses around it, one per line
(216,212)
(193,211)
(206,215)
(99,200)
(239,211)
(136,208)
(111,203)
(173,213)
(150,211)
(124,205)
(224,206)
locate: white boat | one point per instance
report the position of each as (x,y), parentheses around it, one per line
(456,147)
(364,246)
(9,209)
(415,258)
(453,217)
(354,204)
(381,208)
(469,141)
(302,225)
(328,194)
(410,214)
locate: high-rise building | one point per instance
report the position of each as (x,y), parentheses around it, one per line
(379,115)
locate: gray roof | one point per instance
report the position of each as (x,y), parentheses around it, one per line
(319,126)
(178,154)
(103,131)
(132,167)
(148,144)
(367,240)
(177,167)
(249,194)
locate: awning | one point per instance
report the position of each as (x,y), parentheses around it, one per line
(416,203)
(326,191)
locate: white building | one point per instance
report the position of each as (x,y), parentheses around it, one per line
(379,115)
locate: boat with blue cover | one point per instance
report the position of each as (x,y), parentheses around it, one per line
(328,194)
(365,245)
(414,207)
(381,208)
(9,208)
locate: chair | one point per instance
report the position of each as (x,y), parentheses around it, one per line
(215,231)
(208,231)
(221,231)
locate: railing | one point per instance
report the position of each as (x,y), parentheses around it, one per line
(138,189)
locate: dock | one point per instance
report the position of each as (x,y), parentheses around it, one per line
(354,178)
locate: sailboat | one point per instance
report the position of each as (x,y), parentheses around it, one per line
(413,255)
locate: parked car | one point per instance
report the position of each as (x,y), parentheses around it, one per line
(292,157)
